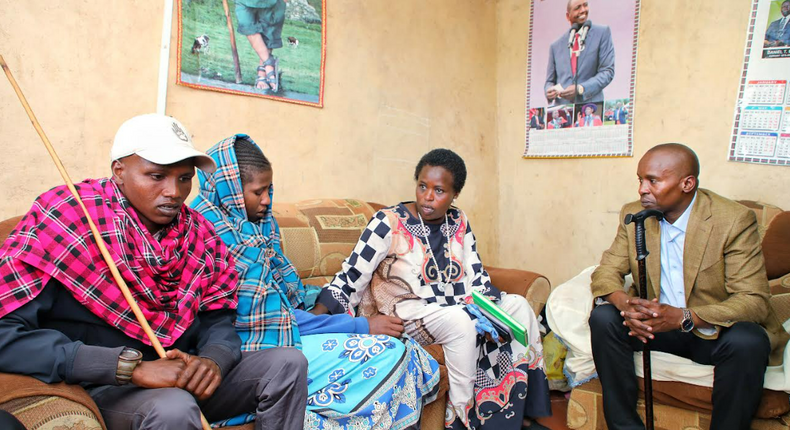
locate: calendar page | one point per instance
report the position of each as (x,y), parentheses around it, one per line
(761,127)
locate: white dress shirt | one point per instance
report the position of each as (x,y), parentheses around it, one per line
(673,239)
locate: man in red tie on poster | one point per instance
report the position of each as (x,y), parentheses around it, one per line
(581,61)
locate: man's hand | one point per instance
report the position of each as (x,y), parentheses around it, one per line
(201,376)
(662,317)
(385,324)
(569,93)
(633,317)
(552,93)
(162,373)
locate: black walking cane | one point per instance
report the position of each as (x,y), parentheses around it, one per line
(641,255)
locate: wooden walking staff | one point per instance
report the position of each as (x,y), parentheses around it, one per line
(641,255)
(96,235)
(232,41)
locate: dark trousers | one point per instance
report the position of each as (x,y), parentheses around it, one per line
(271,382)
(739,356)
(9,422)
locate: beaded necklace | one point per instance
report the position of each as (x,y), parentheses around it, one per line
(446,281)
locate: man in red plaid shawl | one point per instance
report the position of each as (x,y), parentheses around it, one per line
(63,318)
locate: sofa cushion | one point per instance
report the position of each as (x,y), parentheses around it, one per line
(52,413)
(676,406)
(694,397)
(776,246)
(317,235)
(48,406)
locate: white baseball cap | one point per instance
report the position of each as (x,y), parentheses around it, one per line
(159,139)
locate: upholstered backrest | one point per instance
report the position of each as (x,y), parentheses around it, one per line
(317,235)
(774,227)
(765,213)
(776,246)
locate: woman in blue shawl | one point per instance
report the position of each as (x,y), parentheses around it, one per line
(359,377)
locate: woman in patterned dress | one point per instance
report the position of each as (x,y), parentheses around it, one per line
(356,380)
(418,261)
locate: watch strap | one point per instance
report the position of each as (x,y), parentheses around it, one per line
(127,362)
(687,323)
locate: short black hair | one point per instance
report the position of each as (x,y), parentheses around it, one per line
(250,159)
(447,159)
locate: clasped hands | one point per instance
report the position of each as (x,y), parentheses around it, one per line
(645,318)
(197,375)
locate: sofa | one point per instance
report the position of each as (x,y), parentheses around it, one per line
(317,235)
(681,388)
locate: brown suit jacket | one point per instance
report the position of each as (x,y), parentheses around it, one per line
(723,266)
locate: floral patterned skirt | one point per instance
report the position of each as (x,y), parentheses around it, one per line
(360,381)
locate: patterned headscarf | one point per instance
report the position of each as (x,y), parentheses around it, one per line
(186,271)
(269,287)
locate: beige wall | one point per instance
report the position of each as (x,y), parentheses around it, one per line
(402,77)
(558,216)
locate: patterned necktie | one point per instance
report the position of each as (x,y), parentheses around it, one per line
(574,54)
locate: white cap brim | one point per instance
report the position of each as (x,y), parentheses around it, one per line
(159,139)
(175,154)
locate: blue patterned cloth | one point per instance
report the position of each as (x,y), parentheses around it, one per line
(361,381)
(345,369)
(269,287)
(355,381)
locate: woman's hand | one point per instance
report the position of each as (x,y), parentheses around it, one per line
(319,309)
(385,324)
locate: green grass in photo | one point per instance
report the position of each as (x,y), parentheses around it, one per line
(301,66)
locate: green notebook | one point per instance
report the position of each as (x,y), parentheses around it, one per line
(501,318)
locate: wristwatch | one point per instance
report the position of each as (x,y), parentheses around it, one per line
(580,89)
(127,361)
(687,323)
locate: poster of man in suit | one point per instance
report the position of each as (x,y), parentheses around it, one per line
(582,52)
(777,32)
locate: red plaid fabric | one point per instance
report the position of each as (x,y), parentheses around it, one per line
(186,271)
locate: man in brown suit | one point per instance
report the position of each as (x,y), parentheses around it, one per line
(707,294)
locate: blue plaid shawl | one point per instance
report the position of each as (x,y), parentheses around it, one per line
(269,287)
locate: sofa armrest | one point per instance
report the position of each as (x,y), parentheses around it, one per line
(20,386)
(8,225)
(534,286)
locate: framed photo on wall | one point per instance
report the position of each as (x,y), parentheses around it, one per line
(274,49)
